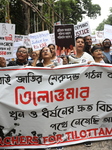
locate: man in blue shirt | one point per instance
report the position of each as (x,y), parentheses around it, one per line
(106,46)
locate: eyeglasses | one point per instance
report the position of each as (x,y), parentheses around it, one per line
(106,41)
(45,50)
(24,52)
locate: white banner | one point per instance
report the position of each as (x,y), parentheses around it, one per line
(94,40)
(26,41)
(40,39)
(18,40)
(82,29)
(7,33)
(22,40)
(52,38)
(99,34)
(44,107)
(108,31)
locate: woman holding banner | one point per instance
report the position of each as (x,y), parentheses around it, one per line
(81,56)
(54,58)
(45,58)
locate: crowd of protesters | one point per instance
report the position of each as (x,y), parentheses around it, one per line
(84,52)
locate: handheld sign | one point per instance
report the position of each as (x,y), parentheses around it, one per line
(99,34)
(40,39)
(82,29)
(7,33)
(64,38)
(108,31)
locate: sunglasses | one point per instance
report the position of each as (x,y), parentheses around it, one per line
(106,41)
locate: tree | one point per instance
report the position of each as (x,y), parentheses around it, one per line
(3,10)
(70,11)
(17,15)
(66,11)
(105,21)
(73,10)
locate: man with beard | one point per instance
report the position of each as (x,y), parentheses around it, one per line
(106,49)
(88,44)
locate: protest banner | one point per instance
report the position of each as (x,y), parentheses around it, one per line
(52,38)
(94,40)
(44,107)
(108,31)
(82,29)
(99,34)
(40,39)
(7,33)
(18,40)
(57,23)
(26,41)
(22,40)
(64,38)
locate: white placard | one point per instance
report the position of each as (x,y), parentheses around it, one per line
(52,38)
(40,40)
(99,34)
(26,41)
(108,31)
(18,40)
(82,29)
(7,33)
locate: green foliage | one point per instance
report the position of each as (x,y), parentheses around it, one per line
(17,15)
(101,26)
(66,11)
(105,21)
(3,4)
(72,11)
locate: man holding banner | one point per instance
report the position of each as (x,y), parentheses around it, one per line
(22,57)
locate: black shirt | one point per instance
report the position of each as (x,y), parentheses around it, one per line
(17,63)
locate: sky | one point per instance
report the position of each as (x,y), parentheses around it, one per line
(105,5)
